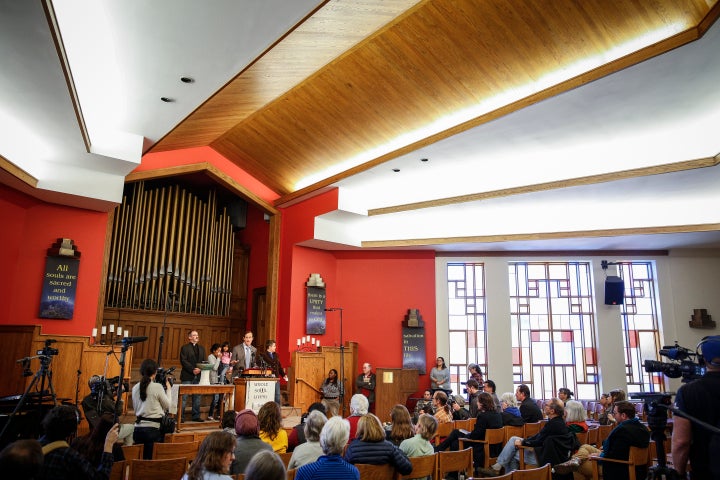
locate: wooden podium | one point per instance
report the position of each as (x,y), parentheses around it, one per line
(253,392)
(393,386)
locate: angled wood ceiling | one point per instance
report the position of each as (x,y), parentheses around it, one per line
(351,80)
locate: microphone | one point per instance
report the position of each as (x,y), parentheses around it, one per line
(333,309)
(130,340)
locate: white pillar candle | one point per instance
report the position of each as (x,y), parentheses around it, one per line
(94,332)
(303,340)
(119,332)
(112,328)
(126,333)
(104,330)
(307,339)
(313,341)
(318,343)
(298,342)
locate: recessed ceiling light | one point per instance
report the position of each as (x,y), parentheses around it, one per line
(396,170)
(167,99)
(187,79)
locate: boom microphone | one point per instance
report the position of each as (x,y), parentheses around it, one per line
(130,340)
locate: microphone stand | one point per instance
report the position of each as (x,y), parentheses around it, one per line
(341,396)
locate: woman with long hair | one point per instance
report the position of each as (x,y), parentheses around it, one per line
(371,447)
(402,427)
(271,431)
(150,401)
(440,376)
(91,445)
(443,412)
(213,459)
(330,390)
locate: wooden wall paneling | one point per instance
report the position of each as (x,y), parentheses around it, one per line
(18,341)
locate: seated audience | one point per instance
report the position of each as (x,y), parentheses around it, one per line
(22,459)
(358,408)
(607,418)
(629,432)
(443,412)
(271,431)
(459,412)
(489,387)
(475,373)
(576,416)
(213,459)
(310,450)
(423,405)
(266,466)
(371,446)
(487,418)
(228,422)
(91,445)
(473,390)
(529,409)
(510,411)
(420,445)
(509,458)
(603,402)
(61,461)
(297,435)
(248,441)
(331,466)
(564,394)
(401,427)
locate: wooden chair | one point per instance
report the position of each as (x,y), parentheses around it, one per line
(637,457)
(603,432)
(522,449)
(377,472)
(200,436)
(453,461)
(118,470)
(467,424)
(443,431)
(286,458)
(238,476)
(593,435)
(582,437)
(133,452)
(532,428)
(187,450)
(157,469)
(541,473)
(493,436)
(425,466)
(291,474)
(513,431)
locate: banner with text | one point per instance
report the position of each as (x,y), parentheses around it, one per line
(413,348)
(315,324)
(59,284)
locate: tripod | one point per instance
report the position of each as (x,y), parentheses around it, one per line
(44,373)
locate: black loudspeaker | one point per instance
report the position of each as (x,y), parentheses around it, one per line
(614,290)
(237,210)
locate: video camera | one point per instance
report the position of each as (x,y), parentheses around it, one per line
(684,364)
(48,351)
(163,374)
(100,385)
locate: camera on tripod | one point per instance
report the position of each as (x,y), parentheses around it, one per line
(163,374)
(684,364)
(47,350)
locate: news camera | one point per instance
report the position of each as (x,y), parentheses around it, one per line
(163,374)
(684,363)
(48,351)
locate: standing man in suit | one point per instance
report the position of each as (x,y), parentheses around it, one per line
(243,355)
(190,355)
(272,363)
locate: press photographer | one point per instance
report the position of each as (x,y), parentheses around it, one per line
(699,399)
(101,399)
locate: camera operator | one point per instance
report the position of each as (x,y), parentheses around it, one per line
(700,399)
(100,400)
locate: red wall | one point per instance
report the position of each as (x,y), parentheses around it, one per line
(256,235)
(30,227)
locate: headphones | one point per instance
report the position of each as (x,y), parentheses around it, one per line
(698,350)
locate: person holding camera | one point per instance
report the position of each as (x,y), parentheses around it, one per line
(150,401)
(100,400)
(700,399)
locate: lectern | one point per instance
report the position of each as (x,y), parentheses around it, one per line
(254,392)
(393,386)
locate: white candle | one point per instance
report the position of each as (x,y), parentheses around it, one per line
(94,332)
(307,339)
(298,342)
(112,328)
(119,331)
(126,333)
(313,341)
(318,343)
(104,330)
(303,340)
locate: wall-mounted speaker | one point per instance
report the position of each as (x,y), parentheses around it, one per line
(614,290)
(237,210)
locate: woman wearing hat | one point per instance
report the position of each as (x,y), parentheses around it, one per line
(248,441)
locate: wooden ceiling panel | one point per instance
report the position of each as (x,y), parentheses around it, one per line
(297,111)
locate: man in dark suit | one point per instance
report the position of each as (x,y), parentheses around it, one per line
(269,359)
(190,355)
(243,355)
(529,410)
